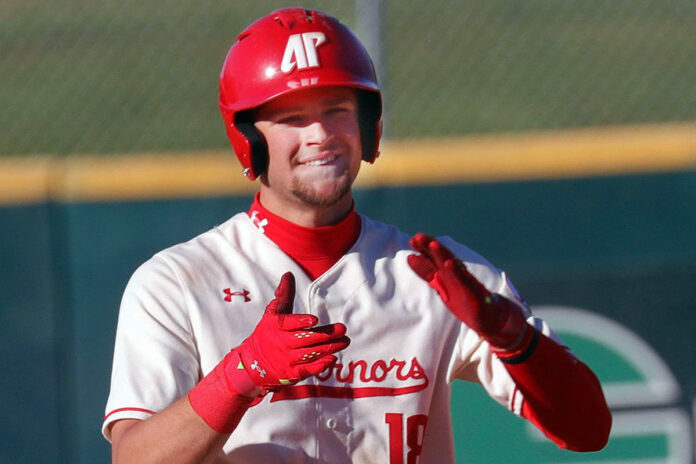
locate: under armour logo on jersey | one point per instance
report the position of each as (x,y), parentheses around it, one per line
(255,366)
(244,294)
(301,51)
(259,223)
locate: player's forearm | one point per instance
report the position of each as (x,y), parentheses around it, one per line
(176,435)
(563,397)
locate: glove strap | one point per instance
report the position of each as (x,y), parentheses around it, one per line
(529,343)
(223,396)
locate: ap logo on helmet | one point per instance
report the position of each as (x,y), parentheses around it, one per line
(301,51)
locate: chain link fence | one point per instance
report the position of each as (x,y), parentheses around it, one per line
(128,76)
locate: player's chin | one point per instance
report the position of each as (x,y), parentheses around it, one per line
(323,193)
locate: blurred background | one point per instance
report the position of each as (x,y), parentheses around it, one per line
(556,138)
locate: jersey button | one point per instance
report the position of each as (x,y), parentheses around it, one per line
(331,423)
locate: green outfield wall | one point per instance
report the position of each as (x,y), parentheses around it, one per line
(611,257)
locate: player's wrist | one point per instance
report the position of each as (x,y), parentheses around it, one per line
(238,378)
(521,353)
(512,332)
(221,399)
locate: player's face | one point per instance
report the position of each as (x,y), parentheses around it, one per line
(314,149)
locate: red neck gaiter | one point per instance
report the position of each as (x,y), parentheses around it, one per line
(315,249)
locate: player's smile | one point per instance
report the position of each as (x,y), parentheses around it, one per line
(321,160)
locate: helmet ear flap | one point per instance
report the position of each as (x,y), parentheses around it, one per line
(370,121)
(258,148)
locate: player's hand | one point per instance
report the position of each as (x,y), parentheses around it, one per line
(286,348)
(283,349)
(495,318)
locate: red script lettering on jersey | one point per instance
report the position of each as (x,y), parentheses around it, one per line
(395,372)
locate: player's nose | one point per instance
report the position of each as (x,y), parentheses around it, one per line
(318,131)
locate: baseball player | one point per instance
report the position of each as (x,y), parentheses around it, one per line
(301,331)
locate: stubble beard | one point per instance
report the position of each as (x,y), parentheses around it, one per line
(314,197)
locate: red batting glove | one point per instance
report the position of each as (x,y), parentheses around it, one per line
(283,349)
(495,318)
(286,348)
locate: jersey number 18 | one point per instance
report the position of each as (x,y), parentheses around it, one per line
(415,431)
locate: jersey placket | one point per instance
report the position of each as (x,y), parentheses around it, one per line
(332,414)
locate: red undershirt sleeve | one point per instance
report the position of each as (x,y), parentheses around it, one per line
(562,396)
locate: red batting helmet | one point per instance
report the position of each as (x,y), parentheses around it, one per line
(288,50)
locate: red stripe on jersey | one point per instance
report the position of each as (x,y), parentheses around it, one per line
(297,392)
(515,392)
(128,409)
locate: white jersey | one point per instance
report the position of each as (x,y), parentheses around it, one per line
(387,396)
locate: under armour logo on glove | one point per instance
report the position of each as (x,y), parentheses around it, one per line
(255,366)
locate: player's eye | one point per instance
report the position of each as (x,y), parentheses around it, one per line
(291,120)
(339,110)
